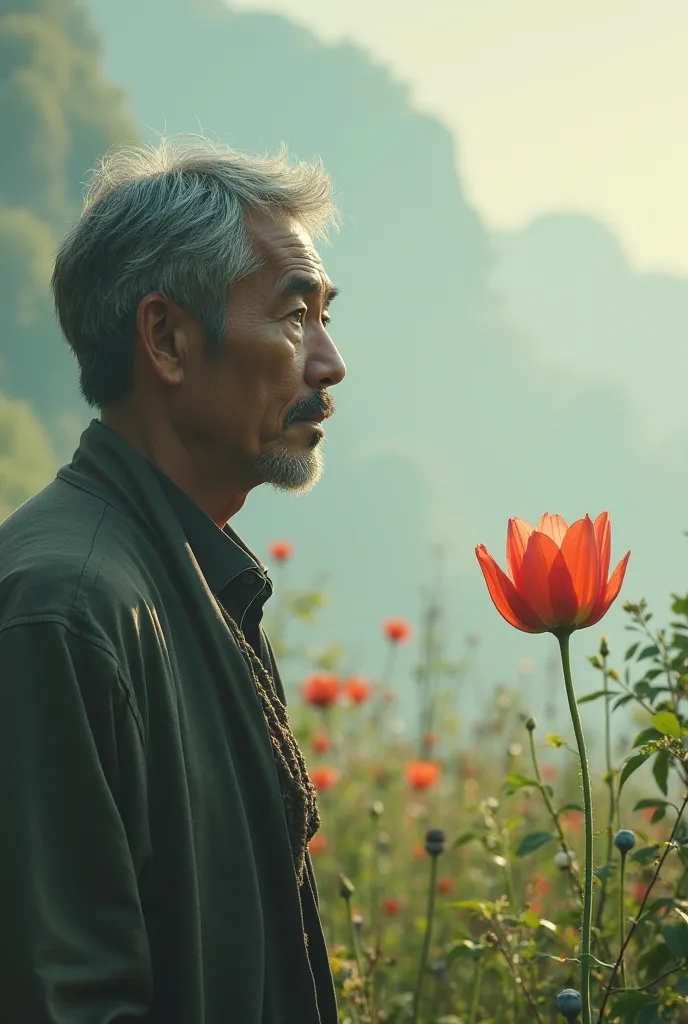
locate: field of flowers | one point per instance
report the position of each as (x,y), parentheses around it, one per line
(459,882)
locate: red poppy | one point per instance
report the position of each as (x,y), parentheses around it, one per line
(391,905)
(639,891)
(541,885)
(445,884)
(281,550)
(537,907)
(321,743)
(317,844)
(557,574)
(322,689)
(324,778)
(397,630)
(357,690)
(422,774)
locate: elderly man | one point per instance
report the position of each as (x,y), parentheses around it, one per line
(155,806)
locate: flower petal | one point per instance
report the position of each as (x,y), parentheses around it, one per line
(611,593)
(579,549)
(535,569)
(506,599)
(517,535)
(552,526)
(603,536)
(562,593)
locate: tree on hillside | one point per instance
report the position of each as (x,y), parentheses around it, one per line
(27,459)
(58,114)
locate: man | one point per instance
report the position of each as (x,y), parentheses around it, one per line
(155,806)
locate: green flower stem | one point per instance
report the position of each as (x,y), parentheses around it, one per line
(426,943)
(622,918)
(552,813)
(352,938)
(610,780)
(586,933)
(475,994)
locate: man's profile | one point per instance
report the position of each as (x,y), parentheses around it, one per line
(156,806)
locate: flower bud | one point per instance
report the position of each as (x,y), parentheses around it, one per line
(563,859)
(531,724)
(624,840)
(382,841)
(569,1003)
(357,922)
(346,887)
(377,809)
(435,841)
(604,649)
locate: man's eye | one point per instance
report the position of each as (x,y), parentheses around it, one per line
(299,314)
(327,319)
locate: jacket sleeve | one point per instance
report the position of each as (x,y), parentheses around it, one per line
(73,833)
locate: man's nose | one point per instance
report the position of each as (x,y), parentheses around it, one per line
(325,365)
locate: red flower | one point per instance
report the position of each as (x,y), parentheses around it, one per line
(324,778)
(430,739)
(572,820)
(397,630)
(321,689)
(537,907)
(422,774)
(321,743)
(557,574)
(357,690)
(281,550)
(317,844)
(639,890)
(541,885)
(445,884)
(391,905)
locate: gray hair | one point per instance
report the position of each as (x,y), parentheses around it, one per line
(170,218)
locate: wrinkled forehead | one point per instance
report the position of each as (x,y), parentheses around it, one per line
(286,250)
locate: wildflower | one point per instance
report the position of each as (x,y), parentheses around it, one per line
(357,921)
(445,884)
(537,907)
(639,891)
(321,689)
(422,774)
(357,690)
(541,885)
(573,820)
(281,550)
(557,573)
(398,631)
(376,809)
(624,840)
(324,778)
(317,844)
(321,743)
(392,905)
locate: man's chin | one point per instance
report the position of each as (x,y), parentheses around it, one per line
(295,472)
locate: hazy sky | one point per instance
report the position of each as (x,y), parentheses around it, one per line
(555,105)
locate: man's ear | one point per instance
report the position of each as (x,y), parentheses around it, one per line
(163,339)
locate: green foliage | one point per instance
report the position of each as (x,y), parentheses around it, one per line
(27,460)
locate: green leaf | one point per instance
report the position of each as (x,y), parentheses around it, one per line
(658,815)
(668,724)
(646,854)
(570,807)
(652,802)
(660,770)
(646,735)
(622,700)
(514,781)
(648,652)
(533,841)
(530,919)
(467,837)
(463,948)
(606,871)
(676,938)
(631,766)
(631,651)
(629,1005)
(589,697)
(650,1015)
(482,906)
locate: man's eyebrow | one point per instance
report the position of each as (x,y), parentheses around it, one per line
(299,284)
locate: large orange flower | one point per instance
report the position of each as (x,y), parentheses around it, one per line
(557,574)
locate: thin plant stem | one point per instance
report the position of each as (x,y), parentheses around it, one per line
(622,917)
(553,815)
(586,932)
(475,994)
(609,779)
(426,943)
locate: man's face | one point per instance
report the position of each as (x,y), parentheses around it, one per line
(249,408)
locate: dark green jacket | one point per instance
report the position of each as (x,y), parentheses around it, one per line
(145,866)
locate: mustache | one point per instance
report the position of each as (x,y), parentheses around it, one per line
(320,403)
